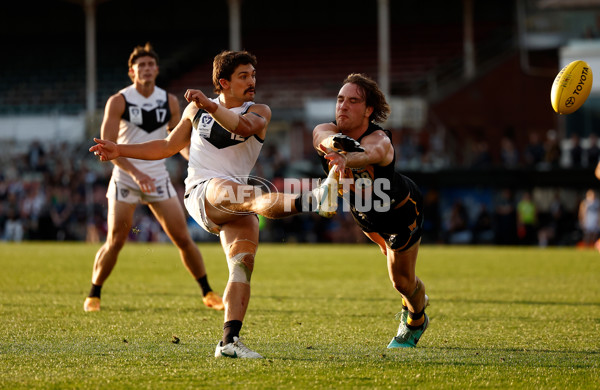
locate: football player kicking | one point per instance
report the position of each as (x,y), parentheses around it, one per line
(226,135)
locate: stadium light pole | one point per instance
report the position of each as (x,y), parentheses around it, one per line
(235,36)
(468,44)
(89,7)
(383,33)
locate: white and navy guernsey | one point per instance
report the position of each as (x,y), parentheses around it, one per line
(216,152)
(144,119)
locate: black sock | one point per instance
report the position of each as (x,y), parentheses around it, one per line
(415,316)
(298,203)
(231,329)
(95,291)
(203,282)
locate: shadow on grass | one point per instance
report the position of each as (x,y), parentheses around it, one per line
(517,350)
(434,300)
(516,302)
(459,356)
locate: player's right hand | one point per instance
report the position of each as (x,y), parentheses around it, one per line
(105,150)
(337,161)
(200,100)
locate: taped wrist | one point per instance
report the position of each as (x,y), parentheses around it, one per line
(329,141)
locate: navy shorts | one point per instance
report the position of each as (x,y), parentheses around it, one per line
(402,226)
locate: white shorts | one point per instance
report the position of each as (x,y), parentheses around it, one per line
(195,203)
(123,192)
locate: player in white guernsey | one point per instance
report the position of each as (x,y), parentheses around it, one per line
(139,113)
(226,136)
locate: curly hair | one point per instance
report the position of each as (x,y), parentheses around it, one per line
(225,63)
(372,95)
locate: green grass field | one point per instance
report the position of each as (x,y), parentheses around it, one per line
(321,315)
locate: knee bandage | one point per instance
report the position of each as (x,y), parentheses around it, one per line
(240,261)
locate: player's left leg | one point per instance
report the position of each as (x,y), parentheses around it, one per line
(170,215)
(401,269)
(239,239)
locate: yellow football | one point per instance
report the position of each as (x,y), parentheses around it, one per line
(571,87)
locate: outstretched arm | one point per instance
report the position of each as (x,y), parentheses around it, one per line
(376,148)
(151,150)
(175,118)
(321,133)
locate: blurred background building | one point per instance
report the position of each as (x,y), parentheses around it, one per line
(468,81)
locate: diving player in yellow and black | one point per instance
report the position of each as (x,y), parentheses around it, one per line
(386,205)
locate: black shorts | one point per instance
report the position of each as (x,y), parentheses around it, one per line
(402,225)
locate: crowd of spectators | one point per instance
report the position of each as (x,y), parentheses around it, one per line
(511,218)
(538,150)
(50,192)
(56,191)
